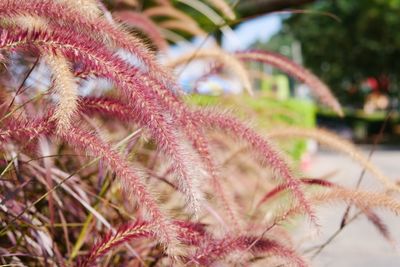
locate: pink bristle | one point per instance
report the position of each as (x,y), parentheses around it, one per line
(266,153)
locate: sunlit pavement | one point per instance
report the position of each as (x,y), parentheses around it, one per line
(359,244)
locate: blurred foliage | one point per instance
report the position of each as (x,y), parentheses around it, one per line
(266,113)
(364,43)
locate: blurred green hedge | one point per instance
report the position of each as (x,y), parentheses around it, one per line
(265,113)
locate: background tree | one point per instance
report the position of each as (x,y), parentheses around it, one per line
(344,54)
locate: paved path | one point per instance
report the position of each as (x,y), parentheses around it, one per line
(359,244)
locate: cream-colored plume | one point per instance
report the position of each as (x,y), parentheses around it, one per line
(223,7)
(88,7)
(182,26)
(231,62)
(333,141)
(63,79)
(169,11)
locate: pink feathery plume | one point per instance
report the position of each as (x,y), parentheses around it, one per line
(177,108)
(189,233)
(380,226)
(124,234)
(143,95)
(88,142)
(117,109)
(278,189)
(209,249)
(144,24)
(266,153)
(107,106)
(141,99)
(217,249)
(371,216)
(131,183)
(319,88)
(22,130)
(62,14)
